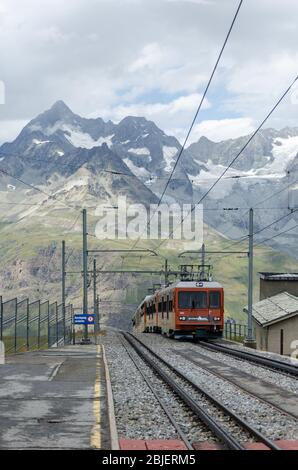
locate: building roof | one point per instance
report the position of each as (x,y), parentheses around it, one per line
(279,276)
(275,309)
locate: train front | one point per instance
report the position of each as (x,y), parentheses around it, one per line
(199,310)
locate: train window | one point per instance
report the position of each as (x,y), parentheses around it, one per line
(214,299)
(167,306)
(192,299)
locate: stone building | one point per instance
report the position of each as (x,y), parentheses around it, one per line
(275,283)
(276,323)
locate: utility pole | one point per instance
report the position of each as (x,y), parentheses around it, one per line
(63,296)
(97,310)
(95,300)
(166,272)
(250,340)
(85,272)
(203,260)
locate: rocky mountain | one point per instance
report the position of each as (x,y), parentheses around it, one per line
(267,166)
(69,157)
(84,161)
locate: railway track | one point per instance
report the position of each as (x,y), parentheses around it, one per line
(266,392)
(272,364)
(165,408)
(184,388)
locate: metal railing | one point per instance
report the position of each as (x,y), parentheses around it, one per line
(235,331)
(26,326)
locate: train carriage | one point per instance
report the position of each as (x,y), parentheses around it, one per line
(183,309)
(140,317)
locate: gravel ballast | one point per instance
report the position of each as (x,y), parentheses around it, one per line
(265,418)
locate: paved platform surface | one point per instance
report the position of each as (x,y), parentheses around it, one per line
(54,399)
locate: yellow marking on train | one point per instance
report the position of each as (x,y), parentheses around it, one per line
(95,439)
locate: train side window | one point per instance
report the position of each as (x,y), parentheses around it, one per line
(214,299)
(167,307)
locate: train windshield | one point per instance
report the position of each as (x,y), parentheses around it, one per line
(214,299)
(189,299)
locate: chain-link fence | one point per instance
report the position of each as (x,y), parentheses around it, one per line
(26,326)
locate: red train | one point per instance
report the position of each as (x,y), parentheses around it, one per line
(193,309)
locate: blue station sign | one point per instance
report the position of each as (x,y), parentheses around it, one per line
(83,319)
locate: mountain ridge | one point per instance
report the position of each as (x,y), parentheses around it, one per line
(134,156)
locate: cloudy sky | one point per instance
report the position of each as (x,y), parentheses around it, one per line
(152,58)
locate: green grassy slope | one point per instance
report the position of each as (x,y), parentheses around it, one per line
(31,263)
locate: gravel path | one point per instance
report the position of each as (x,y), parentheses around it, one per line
(265,418)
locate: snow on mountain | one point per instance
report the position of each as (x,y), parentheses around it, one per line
(284,151)
(84,140)
(40,142)
(140,172)
(139,151)
(169,154)
(59,142)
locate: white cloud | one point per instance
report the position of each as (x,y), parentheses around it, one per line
(163,114)
(222,129)
(151,58)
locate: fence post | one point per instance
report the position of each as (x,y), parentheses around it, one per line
(1,319)
(38,328)
(27,326)
(49,326)
(63,286)
(57,324)
(15,324)
(73,326)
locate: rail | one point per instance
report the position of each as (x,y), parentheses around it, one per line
(254,357)
(214,425)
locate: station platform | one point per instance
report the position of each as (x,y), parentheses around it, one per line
(56,399)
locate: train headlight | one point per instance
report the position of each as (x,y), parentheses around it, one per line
(182,318)
(216,318)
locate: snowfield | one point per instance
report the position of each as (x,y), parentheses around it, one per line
(168,155)
(84,140)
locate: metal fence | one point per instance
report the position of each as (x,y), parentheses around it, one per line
(26,326)
(235,331)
